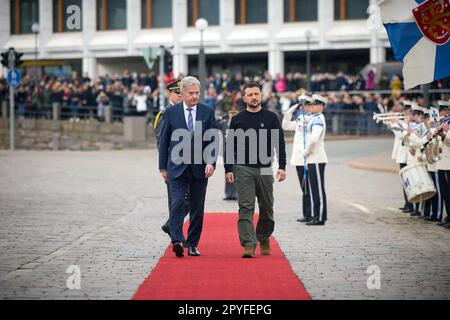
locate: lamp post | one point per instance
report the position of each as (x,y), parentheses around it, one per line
(35,30)
(308,35)
(201,24)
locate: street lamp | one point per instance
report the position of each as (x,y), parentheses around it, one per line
(35,30)
(308,35)
(201,24)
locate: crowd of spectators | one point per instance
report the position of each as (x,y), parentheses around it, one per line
(133,93)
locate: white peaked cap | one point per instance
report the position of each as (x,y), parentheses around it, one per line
(444,103)
(416,107)
(304,97)
(407,103)
(319,98)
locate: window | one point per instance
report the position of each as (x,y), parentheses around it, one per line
(23,14)
(350,9)
(207,9)
(67,16)
(300,10)
(111,15)
(156,14)
(250,11)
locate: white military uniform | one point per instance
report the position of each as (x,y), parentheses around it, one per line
(402,150)
(400,155)
(317,159)
(299,125)
(433,206)
(416,139)
(443,167)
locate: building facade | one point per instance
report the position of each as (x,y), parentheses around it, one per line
(107,36)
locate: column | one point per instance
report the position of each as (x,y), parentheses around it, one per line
(226,9)
(179,21)
(90,66)
(275,19)
(4,29)
(133,23)
(377,51)
(45,26)
(89,29)
(326,20)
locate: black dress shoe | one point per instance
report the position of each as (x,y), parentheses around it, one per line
(192,251)
(304,219)
(441,223)
(315,222)
(447,225)
(178,249)
(407,210)
(165,229)
(402,208)
(230,198)
(431,219)
(415,214)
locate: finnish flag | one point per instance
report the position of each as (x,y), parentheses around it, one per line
(419,33)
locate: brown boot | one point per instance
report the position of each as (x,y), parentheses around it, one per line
(249,252)
(265,248)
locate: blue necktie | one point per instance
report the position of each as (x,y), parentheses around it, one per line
(190,122)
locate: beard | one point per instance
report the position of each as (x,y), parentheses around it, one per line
(253,104)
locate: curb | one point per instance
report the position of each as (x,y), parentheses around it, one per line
(368,167)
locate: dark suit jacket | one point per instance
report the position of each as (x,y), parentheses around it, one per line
(174,119)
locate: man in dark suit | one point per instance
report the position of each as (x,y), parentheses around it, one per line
(186,161)
(174,96)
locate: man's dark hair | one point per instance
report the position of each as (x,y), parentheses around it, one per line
(251,85)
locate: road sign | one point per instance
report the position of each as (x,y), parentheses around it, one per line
(150,55)
(14,78)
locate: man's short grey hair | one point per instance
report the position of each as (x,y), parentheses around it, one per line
(188,82)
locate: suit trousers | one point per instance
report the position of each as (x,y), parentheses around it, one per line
(177,189)
(186,205)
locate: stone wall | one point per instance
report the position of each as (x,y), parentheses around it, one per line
(41,134)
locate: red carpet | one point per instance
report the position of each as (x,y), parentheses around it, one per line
(220,273)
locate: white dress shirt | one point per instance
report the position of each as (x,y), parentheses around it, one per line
(186,114)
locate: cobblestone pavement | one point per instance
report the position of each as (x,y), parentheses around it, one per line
(102,211)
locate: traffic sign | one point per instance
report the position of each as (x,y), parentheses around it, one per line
(14,78)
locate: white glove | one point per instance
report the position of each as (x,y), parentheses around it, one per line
(292,109)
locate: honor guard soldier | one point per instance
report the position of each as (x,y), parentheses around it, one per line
(316,158)
(443,165)
(298,122)
(416,137)
(174,97)
(402,150)
(431,209)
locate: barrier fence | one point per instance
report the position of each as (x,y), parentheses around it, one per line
(339,122)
